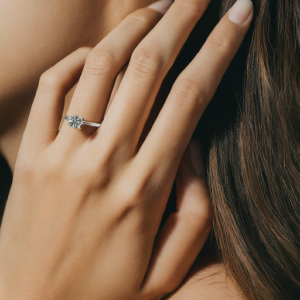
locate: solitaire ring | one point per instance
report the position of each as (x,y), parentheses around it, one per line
(77,122)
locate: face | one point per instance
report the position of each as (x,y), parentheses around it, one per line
(35,34)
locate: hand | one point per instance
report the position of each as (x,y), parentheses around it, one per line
(83,214)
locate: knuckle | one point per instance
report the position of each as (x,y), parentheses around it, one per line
(38,169)
(50,81)
(194,8)
(145,62)
(189,94)
(25,168)
(100,179)
(220,41)
(84,50)
(99,62)
(51,167)
(131,197)
(138,18)
(103,172)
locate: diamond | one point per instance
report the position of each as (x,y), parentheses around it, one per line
(75,121)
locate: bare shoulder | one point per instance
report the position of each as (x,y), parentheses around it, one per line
(207,281)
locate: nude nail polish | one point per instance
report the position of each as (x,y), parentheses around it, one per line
(240,11)
(161,6)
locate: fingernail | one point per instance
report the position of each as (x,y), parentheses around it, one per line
(196,157)
(161,6)
(240,11)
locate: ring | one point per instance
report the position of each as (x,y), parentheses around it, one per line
(77,122)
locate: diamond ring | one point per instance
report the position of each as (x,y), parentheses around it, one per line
(77,122)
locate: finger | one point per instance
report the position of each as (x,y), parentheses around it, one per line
(185,232)
(193,90)
(47,108)
(148,66)
(116,87)
(102,67)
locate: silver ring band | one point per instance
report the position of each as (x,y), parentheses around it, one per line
(77,122)
(91,124)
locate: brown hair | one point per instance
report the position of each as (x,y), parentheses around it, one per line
(251,130)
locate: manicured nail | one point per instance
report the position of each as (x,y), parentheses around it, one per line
(240,11)
(161,6)
(196,157)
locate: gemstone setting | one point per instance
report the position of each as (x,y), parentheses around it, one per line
(75,121)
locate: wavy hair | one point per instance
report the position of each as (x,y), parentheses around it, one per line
(251,133)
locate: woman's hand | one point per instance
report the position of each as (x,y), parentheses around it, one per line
(83,214)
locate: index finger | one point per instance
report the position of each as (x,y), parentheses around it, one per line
(193,90)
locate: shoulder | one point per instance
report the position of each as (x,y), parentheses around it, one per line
(207,281)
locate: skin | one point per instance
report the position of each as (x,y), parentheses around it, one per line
(32,29)
(122,214)
(207,280)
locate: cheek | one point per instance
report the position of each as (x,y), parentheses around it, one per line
(35,34)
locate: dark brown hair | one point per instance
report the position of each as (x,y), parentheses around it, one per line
(251,131)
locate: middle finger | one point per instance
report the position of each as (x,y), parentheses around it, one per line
(102,67)
(148,66)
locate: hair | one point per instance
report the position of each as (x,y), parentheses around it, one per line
(251,134)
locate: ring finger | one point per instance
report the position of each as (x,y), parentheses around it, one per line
(102,67)
(148,66)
